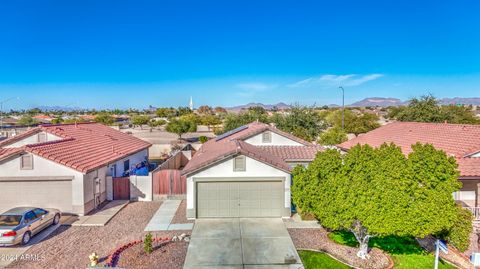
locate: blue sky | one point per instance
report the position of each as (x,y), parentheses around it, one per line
(139,53)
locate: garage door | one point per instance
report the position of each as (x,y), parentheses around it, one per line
(240,199)
(53,194)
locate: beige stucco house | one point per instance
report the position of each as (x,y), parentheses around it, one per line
(245,173)
(65,166)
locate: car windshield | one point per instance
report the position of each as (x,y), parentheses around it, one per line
(10,220)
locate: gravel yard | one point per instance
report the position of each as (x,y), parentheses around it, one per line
(317,239)
(171,255)
(181,214)
(69,247)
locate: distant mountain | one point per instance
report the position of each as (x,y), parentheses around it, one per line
(461,101)
(59,108)
(267,107)
(378,101)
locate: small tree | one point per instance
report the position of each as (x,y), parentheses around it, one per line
(333,136)
(205,110)
(178,127)
(104,118)
(379,192)
(156,123)
(140,120)
(27,120)
(148,243)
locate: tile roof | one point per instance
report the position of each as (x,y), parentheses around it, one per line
(293,153)
(7,152)
(215,151)
(84,146)
(255,128)
(458,140)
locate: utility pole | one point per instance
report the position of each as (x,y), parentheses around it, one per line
(1,112)
(343,107)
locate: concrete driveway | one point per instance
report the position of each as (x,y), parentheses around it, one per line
(12,253)
(241,243)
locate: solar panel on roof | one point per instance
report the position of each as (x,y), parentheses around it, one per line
(229,133)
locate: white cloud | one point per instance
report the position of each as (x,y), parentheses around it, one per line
(256,86)
(335,80)
(250,89)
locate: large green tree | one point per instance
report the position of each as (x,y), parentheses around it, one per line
(140,120)
(179,127)
(104,118)
(233,120)
(378,192)
(27,120)
(356,123)
(333,136)
(428,109)
(300,121)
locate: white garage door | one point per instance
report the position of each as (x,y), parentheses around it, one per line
(240,199)
(49,194)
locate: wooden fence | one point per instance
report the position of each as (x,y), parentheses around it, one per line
(169,182)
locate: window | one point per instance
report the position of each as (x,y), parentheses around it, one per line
(39,212)
(30,216)
(42,137)
(267,137)
(126,165)
(239,163)
(464,195)
(26,162)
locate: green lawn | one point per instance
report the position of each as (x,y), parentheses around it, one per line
(318,260)
(405,251)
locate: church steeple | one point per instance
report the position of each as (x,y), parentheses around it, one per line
(191,103)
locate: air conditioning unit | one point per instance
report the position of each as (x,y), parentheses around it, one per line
(475,259)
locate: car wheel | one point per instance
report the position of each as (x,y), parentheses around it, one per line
(56,219)
(26,238)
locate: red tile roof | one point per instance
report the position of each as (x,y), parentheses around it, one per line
(84,147)
(293,153)
(215,151)
(7,152)
(458,140)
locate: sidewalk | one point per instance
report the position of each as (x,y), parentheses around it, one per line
(103,215)
(162,219)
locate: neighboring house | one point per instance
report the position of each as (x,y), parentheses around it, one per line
(65,166)
(245,173)
(461,141)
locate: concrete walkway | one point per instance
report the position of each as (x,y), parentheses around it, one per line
(241,244)
(102,216)
(162,219)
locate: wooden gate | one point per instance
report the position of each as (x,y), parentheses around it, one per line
(169,182)
(121,188)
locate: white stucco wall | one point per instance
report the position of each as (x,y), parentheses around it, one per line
(89,184)
(134,159)
(43,168)
(277,140)
(224,169)
(33,139)
(141,188)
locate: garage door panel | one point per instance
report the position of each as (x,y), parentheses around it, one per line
(240,199)
(49,194)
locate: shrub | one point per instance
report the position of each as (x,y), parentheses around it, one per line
(203,139)
(147,243)
(459,234)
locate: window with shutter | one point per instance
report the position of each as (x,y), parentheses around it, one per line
(26,162)
(239,163)
(267,137)
(42,137)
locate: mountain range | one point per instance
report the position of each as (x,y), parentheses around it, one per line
(370,101)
